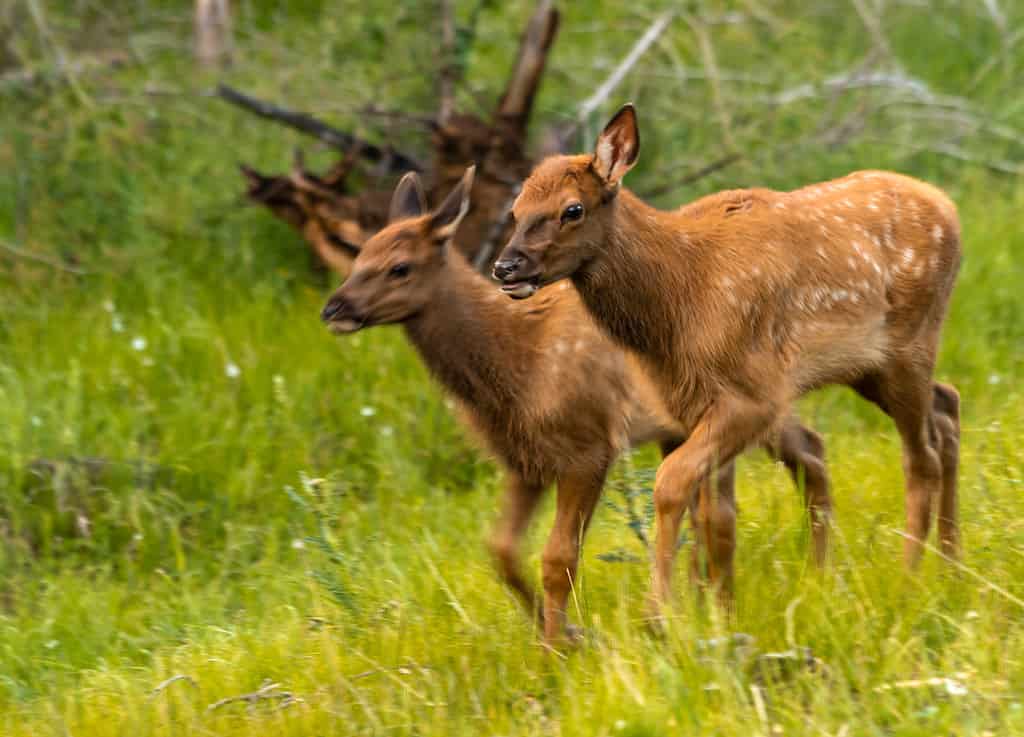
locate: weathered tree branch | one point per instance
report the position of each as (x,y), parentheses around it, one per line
(588,106)
(449,73)
(395,161)
(41,259)
(517,101)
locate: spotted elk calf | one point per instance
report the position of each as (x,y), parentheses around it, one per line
(545,389)
(743,301)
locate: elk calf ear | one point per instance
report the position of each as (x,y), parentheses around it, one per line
(617,146)
(446,218)
(408,201)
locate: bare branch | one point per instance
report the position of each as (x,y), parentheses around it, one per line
(588,106)
(487,249)
(173,679)
(267,692)
(394,161)
(517,101)
(39,258)
(873,24)
(693,176)
(449,69)
(74,68)
(213,31)
(709,60)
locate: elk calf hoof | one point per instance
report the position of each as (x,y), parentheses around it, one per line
(572,638)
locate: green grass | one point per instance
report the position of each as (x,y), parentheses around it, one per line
(196,479)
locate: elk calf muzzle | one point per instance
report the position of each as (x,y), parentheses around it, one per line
(335,307)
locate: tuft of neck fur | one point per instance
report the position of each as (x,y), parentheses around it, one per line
(464,337)
(625,283)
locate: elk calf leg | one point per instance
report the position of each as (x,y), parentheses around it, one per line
(725,429)
(802,451)
(713,519)
(519,505)
(578,493)
(911,409)
(946,409)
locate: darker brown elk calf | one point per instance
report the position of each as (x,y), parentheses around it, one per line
(744,301)
(546,390)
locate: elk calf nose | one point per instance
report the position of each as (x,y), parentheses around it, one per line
(334,307)
(507,267)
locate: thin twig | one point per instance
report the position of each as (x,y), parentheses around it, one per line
(873,24)
(30,76)
(710,62)
(173,679)
(693,176)
(267,692)
(39,258)
(588,106)
(305,123)
(486,251)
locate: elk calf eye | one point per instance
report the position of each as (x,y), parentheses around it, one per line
(399,270)
(572,212)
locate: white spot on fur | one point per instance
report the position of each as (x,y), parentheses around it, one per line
(872,206)
(821,251)
(564,285)
(851,263)
(908,256)
(937,233)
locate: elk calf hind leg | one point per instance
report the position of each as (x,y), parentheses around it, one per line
(519,505)
(946,408)
(802,451)
(907,395)
(713,519)
(725,430)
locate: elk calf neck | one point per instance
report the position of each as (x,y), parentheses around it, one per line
(743,301)
(546,390)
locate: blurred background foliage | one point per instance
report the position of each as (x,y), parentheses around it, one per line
(164,378)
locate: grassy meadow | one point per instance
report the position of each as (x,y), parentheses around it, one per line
(198,481)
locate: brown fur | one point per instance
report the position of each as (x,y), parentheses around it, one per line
(745,300)
(544,388)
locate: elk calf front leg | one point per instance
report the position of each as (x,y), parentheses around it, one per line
(518,508)
(726,428)
(578,493)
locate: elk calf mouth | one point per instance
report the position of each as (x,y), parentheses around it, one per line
(522,288)
(344,325)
